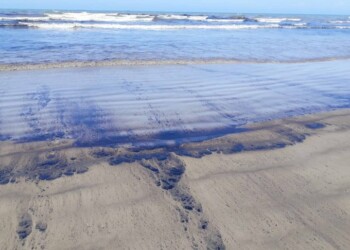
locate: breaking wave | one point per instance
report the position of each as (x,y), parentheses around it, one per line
(141,27)
(109,20)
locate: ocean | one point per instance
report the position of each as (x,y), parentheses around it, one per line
(32,36)
(204,74)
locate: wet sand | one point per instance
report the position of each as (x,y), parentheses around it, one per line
(281,184)
(163,104)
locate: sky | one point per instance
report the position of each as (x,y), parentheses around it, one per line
(227,6)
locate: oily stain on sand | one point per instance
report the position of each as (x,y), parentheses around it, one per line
(48,160)
(95,138)
(25,226)
(83,121)
(3,135)
(167,171)
(32,114)
(48,116)
(162,163)
(39,165)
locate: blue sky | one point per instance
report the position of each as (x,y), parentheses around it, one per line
(248,6)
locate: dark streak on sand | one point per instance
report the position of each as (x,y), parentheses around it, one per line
(91,126)
(51,163)
(315,125)
(24,226)
(5,137)
(40,166)
(54,166)
(37,101)
(84,121)
(41,226)
(5,175)
(167,171)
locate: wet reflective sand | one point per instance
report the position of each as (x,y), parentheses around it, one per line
(162,105)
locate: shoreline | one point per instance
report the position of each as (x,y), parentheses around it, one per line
(284,178)
(120,62)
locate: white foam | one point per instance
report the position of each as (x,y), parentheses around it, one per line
(300,24)
(340,22)
(225,20)
(277,20)
(99,17)
(24,18)
(183,17)
(82,16)
(342,27)
(111,17)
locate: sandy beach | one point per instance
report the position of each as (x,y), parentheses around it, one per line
(281,184)
(174,125)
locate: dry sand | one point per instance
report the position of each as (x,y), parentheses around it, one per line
(282,185)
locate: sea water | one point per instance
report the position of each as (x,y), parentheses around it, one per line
(271,66)
(61,36)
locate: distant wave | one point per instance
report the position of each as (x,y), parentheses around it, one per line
(277,20)
(78,25)
(73,20)
(81,17)
(24,18)
(142,27)
(341,22)
(120,17)
(181,17)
